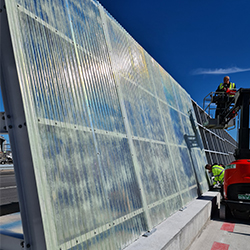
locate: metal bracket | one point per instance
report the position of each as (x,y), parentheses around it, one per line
(182,209)
(3,124)
(148,233)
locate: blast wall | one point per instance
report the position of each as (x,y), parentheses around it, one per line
(110,140)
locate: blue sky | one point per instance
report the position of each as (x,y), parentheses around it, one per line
(197,42)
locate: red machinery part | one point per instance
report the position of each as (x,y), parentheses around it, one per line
(237,179)
(230,92)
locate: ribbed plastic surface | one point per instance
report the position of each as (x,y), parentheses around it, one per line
(107,126)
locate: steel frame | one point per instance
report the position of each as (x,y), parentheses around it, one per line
(18,135)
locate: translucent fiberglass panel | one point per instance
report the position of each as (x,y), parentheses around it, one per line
(156,170)
(128,56)
(199,162)
(162,209)
(120,55)
(57,92)
(123,235)
(183,167)
(162,82)
(159,212)
(169,96)
(140,72)
(119,177)
(187,126)
(72,183)
(158,179)
(102,98)
(142,110)
(183,99)
(195,146)
(173,125)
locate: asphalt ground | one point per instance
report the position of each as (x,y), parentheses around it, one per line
(8,191)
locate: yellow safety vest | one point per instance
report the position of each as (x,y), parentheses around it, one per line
(231,85)
(218,173)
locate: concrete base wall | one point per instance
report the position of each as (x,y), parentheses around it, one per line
(181,229)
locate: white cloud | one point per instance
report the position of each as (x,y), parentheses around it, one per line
(201,71)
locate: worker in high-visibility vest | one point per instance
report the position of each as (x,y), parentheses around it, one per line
(218,176)
(226,85)
(218,173)
(228,89)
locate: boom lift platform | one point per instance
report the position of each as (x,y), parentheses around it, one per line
(224,102)
(236,194)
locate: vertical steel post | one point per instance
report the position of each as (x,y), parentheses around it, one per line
(16,122)
(243,151)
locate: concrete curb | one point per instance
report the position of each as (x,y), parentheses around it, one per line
(9,208)
(180,230)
